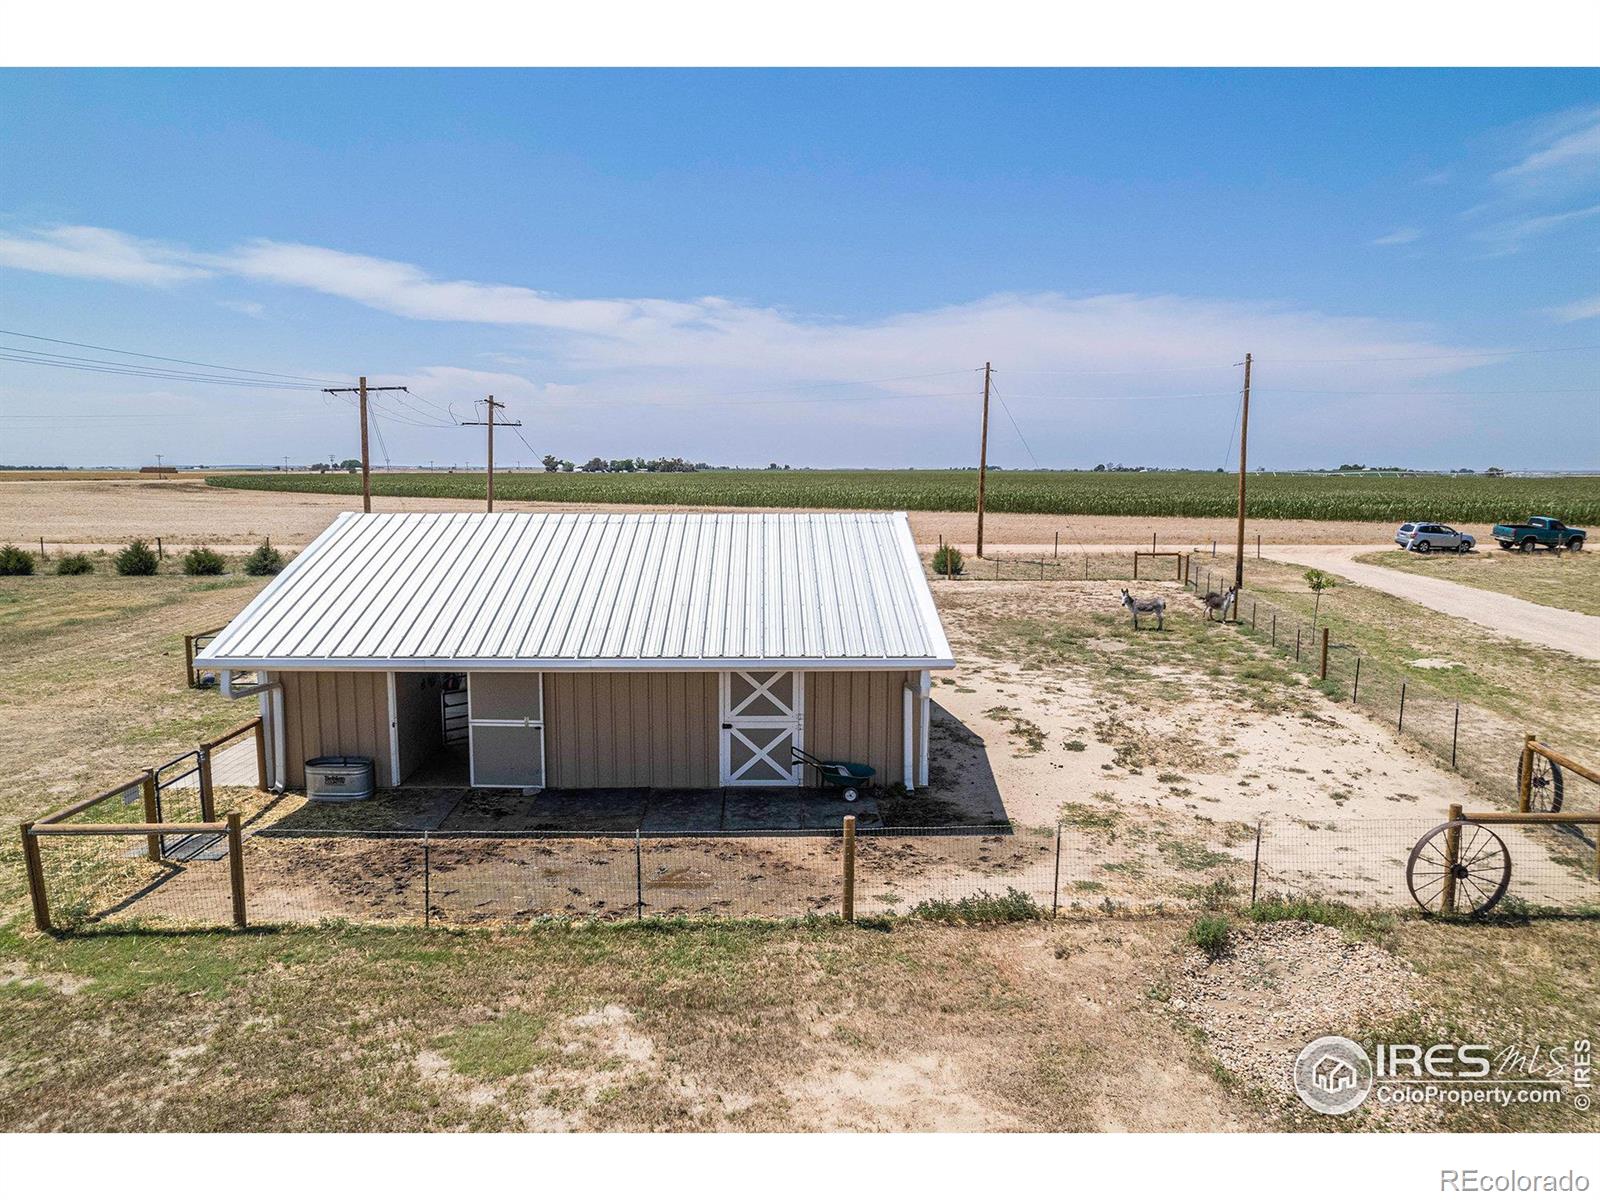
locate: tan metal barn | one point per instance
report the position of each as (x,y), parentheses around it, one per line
(594,650)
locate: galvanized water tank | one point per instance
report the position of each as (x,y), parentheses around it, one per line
(339,778)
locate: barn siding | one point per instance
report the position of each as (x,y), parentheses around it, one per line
(335,712)
(858,716)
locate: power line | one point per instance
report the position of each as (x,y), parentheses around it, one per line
(161,358)
(38,359)
(1006,408)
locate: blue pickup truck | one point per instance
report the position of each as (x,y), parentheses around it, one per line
(1539,531)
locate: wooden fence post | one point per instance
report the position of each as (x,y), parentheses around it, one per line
(35,866)
(1323,670)
(1452,852)
(1136,554)
(236,868)
(1455,734)
(1525,775)
(188,659)
(208,807)
(638,875)
(1400,725)
(1355,688)
(261,756)
(152,815)
(849,907)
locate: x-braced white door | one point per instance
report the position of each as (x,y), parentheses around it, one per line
(762,722)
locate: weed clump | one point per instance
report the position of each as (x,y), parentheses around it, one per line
(203,561)
(983,908)
(1210,933)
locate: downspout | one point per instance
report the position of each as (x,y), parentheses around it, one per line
(908,765)
(925,690)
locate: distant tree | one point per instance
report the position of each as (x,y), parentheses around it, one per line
(551,462)
(597,464)
(620,464)
(265,559)
(1099,466)
(14,561)
(350,464)
(1496,472)
(567,465)
(772,466)
(1318,582)
(136,558)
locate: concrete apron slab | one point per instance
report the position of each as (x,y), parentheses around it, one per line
(656,810)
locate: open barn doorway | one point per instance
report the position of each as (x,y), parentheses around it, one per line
(430,728)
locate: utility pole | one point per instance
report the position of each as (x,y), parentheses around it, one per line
(1244,433)
(493,404)
(983,455)
(366,465)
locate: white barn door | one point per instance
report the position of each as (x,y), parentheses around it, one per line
(762,722)
(505,728)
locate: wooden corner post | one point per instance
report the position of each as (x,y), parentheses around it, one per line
(208,804)
(35,866)
(236,868)
(261,756)
(849,905)
(152,815)
(1322,672)
(1452,855)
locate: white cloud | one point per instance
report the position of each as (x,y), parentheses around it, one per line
(85,252)
(1566,143)
(729,381)
(1511,234)
(1578,310)
(1399,237)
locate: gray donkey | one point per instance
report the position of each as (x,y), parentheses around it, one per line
(1155,604)
(1218,603)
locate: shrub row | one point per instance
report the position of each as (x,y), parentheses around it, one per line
(137,558)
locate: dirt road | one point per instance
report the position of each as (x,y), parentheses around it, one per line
(1557,628)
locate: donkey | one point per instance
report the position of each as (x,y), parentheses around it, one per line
(1155,604)
(1218,603)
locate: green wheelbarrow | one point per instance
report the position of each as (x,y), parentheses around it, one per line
(852,777)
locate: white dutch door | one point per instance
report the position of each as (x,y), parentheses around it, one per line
(505,728)
(761,726)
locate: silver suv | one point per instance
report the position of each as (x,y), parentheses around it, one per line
(1424,538)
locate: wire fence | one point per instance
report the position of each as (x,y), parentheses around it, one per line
(1109,861)
(1066,567)
(1481,745)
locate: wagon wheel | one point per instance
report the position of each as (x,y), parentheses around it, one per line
(1482,868)
(1547,791)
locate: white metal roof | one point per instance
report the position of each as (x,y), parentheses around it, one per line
(600,591)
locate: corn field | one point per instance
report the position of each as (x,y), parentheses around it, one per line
(1461,499)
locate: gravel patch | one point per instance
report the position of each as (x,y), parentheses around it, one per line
(1282,984)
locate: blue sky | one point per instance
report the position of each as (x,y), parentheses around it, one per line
(742,266)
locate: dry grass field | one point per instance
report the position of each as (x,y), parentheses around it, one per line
(1106,1020)
(1560,580)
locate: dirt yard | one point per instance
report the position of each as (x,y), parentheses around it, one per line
(80,514)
